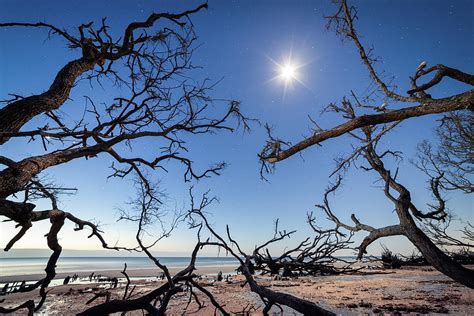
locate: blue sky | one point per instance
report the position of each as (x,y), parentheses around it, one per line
(238,40)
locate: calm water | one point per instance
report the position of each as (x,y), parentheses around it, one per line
(36,265)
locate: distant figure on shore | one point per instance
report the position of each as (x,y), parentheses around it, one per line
(5,289)
(66,280)
(162,276)
(114,281)
(219,276)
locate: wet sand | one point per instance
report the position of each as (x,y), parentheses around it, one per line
(147,272)
(393,292)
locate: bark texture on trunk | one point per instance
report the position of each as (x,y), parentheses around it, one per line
(14,178)
(458,102)
(300,305)
(18,113)
(435,256)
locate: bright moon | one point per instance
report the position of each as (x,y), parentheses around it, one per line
(288,72)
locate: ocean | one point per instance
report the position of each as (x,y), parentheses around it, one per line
(71,265)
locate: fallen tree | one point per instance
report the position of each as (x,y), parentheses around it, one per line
(156,301)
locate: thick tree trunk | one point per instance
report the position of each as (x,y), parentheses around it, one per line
(15,177)
(435,256)
(300,305)
(16,114)
(438,259)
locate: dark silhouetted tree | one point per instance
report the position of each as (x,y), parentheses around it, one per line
(449,167)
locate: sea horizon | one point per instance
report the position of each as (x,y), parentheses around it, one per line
(23,265)
(76,264)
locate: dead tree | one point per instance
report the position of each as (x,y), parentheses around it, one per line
(146,211)
(407,212)
(423,103)
(451,171)
(150,63)
(311,257)
(156,301)
(247,262)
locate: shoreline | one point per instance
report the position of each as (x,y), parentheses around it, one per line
(406,291)
(133,273)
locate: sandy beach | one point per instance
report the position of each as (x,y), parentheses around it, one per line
(138,273)
(403,291)
(237,157)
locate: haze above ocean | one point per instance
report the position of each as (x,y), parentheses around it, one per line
(36,265)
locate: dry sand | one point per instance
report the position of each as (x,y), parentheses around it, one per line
(405,291)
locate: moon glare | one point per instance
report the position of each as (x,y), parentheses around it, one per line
(288,72)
